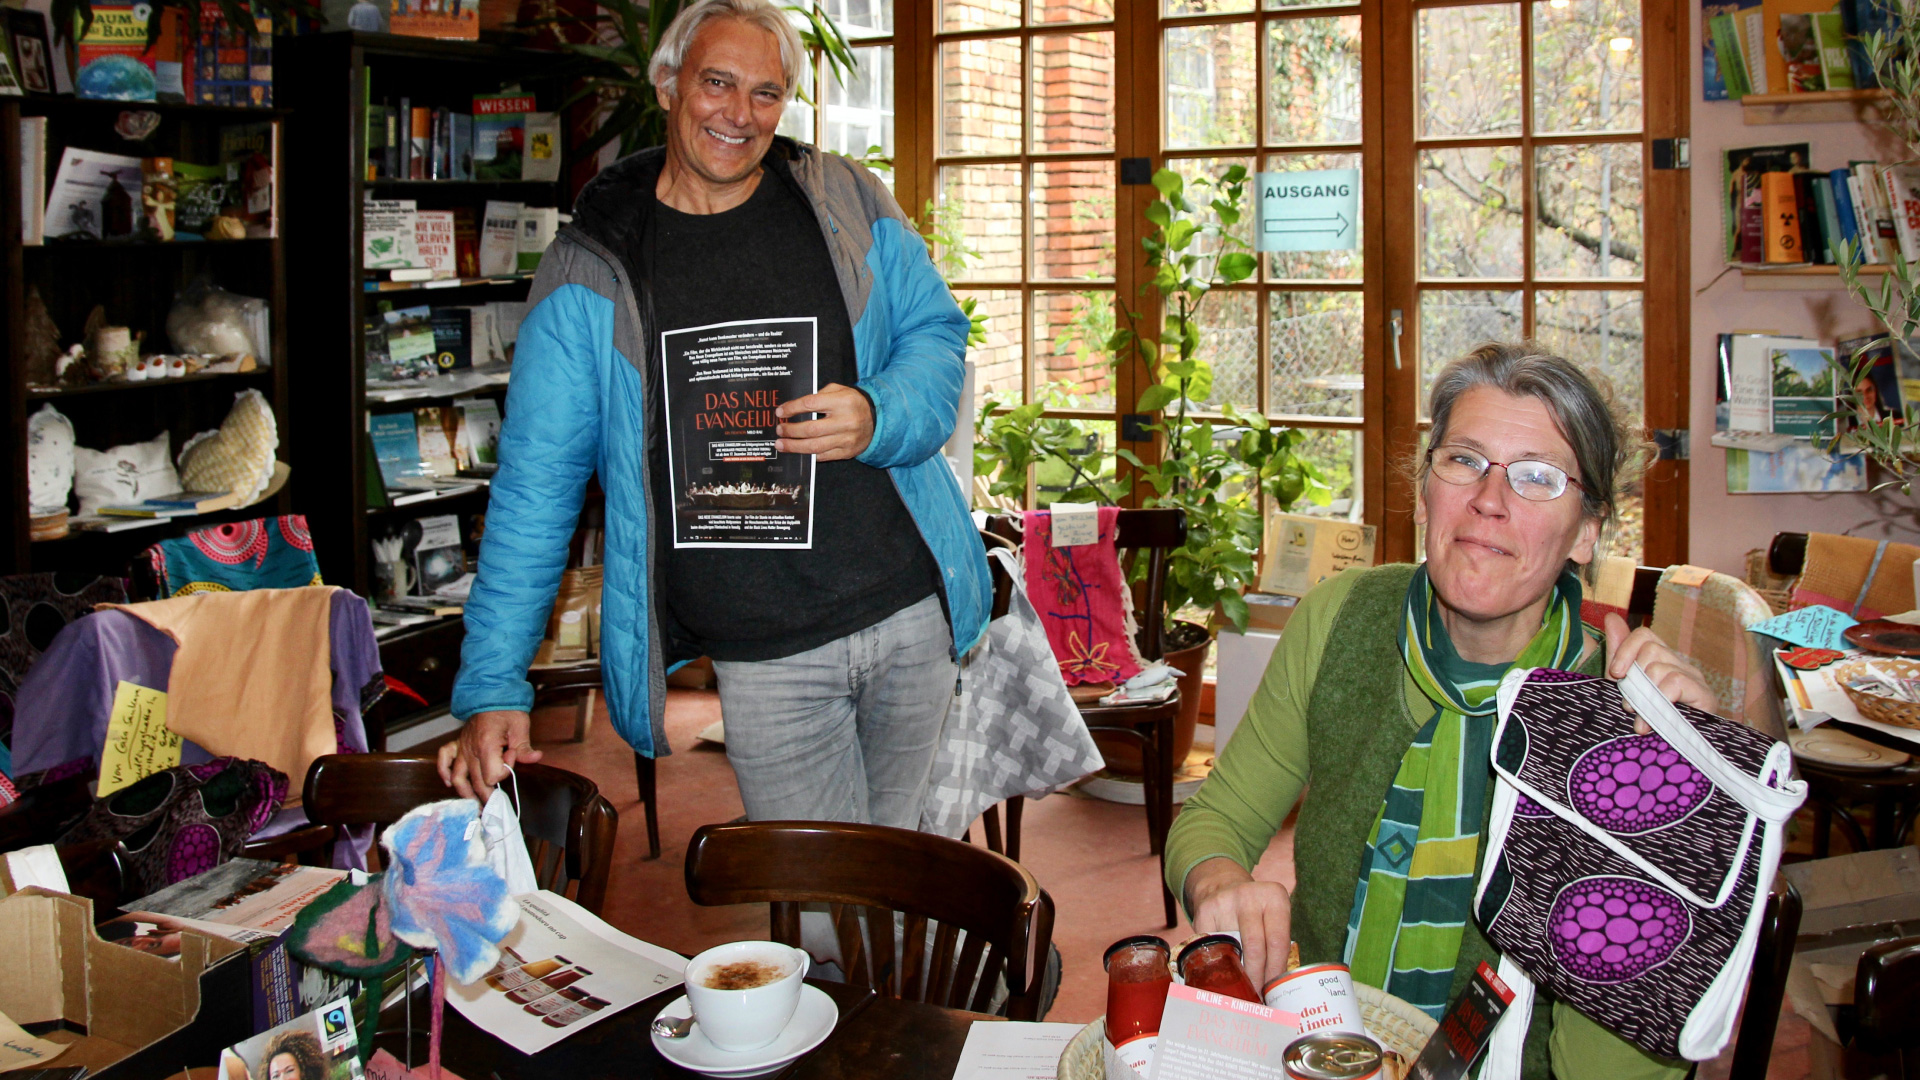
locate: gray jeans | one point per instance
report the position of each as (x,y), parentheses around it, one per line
(847,731)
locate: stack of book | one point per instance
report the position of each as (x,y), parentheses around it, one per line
(404,246)
(432,452)
(1777,211)
(505,137)
(1787,46)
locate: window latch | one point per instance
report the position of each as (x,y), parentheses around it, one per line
(1394,318)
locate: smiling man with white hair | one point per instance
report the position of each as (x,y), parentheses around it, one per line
(837,657)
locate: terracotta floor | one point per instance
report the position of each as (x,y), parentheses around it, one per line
(1091,855)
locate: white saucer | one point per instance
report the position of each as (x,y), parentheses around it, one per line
(812,1022)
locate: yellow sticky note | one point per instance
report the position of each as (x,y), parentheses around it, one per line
(1689,576)
(138,742)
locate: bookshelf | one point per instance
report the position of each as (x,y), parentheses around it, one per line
(134,282)
(1800,278)
(1816,107)
(325,80)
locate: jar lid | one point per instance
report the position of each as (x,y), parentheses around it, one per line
(1137,941)
(1209,939)
(1332,1055)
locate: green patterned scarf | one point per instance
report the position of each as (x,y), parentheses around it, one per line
(1416,884)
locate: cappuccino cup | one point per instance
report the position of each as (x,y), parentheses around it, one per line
(744,993)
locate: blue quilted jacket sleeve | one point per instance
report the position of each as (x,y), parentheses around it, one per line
(549,445)
(916,392)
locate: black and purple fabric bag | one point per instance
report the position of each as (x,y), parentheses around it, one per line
(1628,873)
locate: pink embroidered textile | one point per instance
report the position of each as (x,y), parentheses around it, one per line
(1083,602)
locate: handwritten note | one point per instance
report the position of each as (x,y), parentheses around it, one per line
(19,1050)
(1816,627)
(1075,524)
(1689,576)
(138,742)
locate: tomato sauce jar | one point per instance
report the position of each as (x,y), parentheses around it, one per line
(1138,979)
(1212,962)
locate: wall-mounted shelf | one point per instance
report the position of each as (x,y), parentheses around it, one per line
(1800,278)
(1817,107)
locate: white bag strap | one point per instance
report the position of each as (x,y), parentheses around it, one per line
(1771,804)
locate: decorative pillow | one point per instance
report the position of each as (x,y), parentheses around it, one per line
(49,460)
(239,456)
(124,474)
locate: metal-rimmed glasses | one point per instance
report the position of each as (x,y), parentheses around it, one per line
(1534,481)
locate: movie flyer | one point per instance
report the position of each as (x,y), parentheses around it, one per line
(723,382)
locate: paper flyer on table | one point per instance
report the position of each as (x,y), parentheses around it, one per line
(560,970)
(731,489)
(242,899)
(1013,1050)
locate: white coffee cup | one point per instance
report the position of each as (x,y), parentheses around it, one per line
(748,1018)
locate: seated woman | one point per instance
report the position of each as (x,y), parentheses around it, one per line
(1381,696)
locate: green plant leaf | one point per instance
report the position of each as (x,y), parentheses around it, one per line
(1158,213)
(1180,234)
(1168,182)
(1157,397)
(1237,266)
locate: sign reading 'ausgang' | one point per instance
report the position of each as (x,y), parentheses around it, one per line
(1313,210)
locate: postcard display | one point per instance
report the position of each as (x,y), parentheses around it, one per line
(731,488)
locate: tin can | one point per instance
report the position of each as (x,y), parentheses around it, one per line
(1321,995)
(1333,1055)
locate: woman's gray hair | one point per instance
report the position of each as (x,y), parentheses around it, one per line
(1604,447)
(671,51)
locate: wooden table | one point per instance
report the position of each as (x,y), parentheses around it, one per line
(875,1038)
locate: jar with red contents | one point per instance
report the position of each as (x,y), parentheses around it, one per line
(1212,962)
(1138,979)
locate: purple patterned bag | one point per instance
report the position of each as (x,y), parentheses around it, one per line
(181,821)
(1628,873)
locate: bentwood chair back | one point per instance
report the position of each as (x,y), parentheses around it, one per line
(568,826)
(1767,983)
(1886,1002)
(969,916)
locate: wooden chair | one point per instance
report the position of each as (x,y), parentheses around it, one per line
(1152,534)
(1772,956)
(987,914)
(1886,1002)
(569,827)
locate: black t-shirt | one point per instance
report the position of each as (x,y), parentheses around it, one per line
(766,259)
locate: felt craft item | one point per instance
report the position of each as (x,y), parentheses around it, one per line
(348,930)
(264,553)
(1628,873)
(443,893)
(49,460)
(238,457)
(123,474)
(184,820)
(1867,579)
(1083,602)
(251,674)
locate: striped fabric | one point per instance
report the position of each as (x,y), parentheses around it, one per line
(1410,905)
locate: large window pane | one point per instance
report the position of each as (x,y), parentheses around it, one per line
(1339,454)
(978,14)
(1469,70)
(1072,220)
(1313,80)
(860,114)
(1072,91)
(1092,463)
(1209,85)
(1318,357)
(862,18)
(978,223)
(1230,344)
(1072,367)
(980,96)
(1586,66)
(1314,265)
(796,120)
(1470,212)
(996,364)
(1453,322)
(1604,333)
(1587,211)
(1212,169)
(1204,7)
(1071,11)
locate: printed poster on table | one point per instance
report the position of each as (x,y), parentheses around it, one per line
(730,488)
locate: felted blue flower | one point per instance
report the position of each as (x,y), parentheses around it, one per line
(441,891)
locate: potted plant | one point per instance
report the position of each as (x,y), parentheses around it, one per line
(1213,471)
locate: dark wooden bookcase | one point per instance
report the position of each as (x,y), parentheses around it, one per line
(136,283)
(323,81)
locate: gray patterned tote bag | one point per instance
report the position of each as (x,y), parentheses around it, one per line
(1628,873)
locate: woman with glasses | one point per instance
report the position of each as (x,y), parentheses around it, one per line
(1379,704)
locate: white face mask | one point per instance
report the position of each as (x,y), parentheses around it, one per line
(506,847)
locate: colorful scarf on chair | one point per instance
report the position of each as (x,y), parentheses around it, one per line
(239,556)
(1416,882)
(1083,601)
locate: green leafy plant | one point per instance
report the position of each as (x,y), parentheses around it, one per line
(1212,470)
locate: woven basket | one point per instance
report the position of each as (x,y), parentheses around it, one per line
(1394,1024)
(1775,590)
(1885,710)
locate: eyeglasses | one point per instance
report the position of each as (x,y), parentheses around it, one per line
(1534,481)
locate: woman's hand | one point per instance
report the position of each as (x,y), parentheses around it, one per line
(1674,674)
(1223,896)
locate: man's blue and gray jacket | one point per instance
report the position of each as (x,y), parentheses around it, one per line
(579,403)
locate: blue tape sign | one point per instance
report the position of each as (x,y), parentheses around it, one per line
(1312,210)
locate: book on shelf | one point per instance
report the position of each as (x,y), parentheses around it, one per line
(1860,18)
(1830,40)
(178,504)
(99,523)
(10,85)
(538,226)
(420,491)
(1840,183)
(94,195)
(403,161)
(1807,207)
(33,180)
(452,338)
(424,605)
(1753,38)
(433,240)
(390,238)
(1781,205)
(34,58)
(116,63)
(1742,212)
(500,134)
(1723,56)
(455,19)
(461,146)
(410,339)
(420,143)
(1829,211)
(1902,186)
(500,239)
(1890,381)
(466,243)
(437,429)
(396,446)
(1793,61)
(233,65)
(542,158)
(480,431)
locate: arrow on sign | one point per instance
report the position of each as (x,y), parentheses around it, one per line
(1324,225)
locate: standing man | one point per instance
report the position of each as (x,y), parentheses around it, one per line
(836,652)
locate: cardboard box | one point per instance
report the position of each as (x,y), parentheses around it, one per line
(1849,903)
(111,1003)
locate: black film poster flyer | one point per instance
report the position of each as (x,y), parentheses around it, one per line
(723,382)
